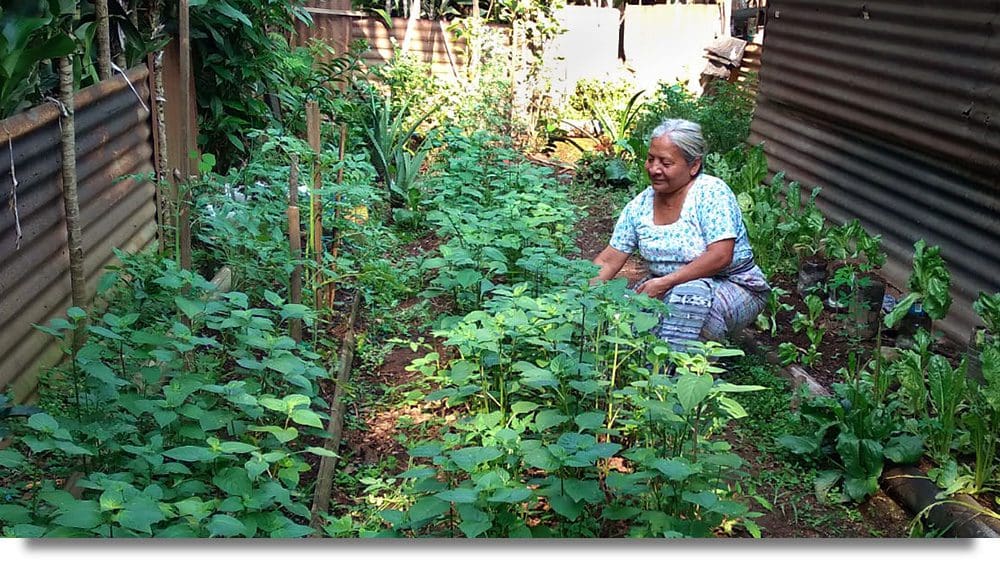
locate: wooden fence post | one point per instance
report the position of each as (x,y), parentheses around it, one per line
(316,208)
(295,244)
(184,212)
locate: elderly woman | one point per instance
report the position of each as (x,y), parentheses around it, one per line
(688,227)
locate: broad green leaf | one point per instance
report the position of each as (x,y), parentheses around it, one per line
(548,418)
(860,488)
(272,403)
(825,481)
(75,313)
(105,332)
(295,311)
(510,495)
(195,508)
(306,417)
(540,457)
(322,452)
(43,422)
(425,450)
(83,514)
(222,525)
(474,521)
(14,514)
(27,530)
(704,498)
(459,495)
(140,513)
(589,420)
(800,444)
(190,453)
(565,506)
(72,449)
(273,298)
(285,364)
(236,447)
(427,508)
(468,458)
(904,449)
(10,458)
(675,469)
(233,481)
(522,407)
(190,308)
(282,434)
(692,390)
(588,491)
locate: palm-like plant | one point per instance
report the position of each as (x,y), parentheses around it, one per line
(389,137)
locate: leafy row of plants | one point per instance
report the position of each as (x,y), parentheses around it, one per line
(883,411)
(575,420)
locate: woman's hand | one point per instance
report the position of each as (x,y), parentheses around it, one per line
(656,287)
(609,262)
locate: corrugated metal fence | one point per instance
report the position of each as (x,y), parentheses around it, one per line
(117,210)
(892,107)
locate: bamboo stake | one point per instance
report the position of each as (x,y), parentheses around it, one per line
(316,218)
(335,427)
(184,213)
(336,211)
(295,243)
(103,39)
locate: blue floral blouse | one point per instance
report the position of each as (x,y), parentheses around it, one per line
(710,213)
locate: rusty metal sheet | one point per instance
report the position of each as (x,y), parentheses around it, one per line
(891,107)
(117,208)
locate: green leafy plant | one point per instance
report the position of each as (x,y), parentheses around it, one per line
(32,34)
(810,324)
(181,428)
(768,319)
(389,137)
(929,284)
(858,432)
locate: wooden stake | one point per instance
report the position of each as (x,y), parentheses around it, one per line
(336,212)
(313,136)
(295,243)
(335,427)
(184,213)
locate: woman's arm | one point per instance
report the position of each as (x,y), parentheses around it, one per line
(610,261)
(717,257)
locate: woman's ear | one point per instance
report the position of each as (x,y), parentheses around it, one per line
(695,168)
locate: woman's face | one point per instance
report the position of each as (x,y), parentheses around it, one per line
(667,169)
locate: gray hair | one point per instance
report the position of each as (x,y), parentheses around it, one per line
(685,134)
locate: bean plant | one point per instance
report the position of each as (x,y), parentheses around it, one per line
(184,412)
(577,420)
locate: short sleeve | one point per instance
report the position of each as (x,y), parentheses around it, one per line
(719,213)
(625,237)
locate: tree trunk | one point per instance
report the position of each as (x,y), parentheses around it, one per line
(184,209)
(71,200)
(411,23)
(103,39)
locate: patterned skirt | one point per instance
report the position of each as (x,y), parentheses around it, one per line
(711,309)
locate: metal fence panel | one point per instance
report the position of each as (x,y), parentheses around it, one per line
(889,106)
(117,210)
